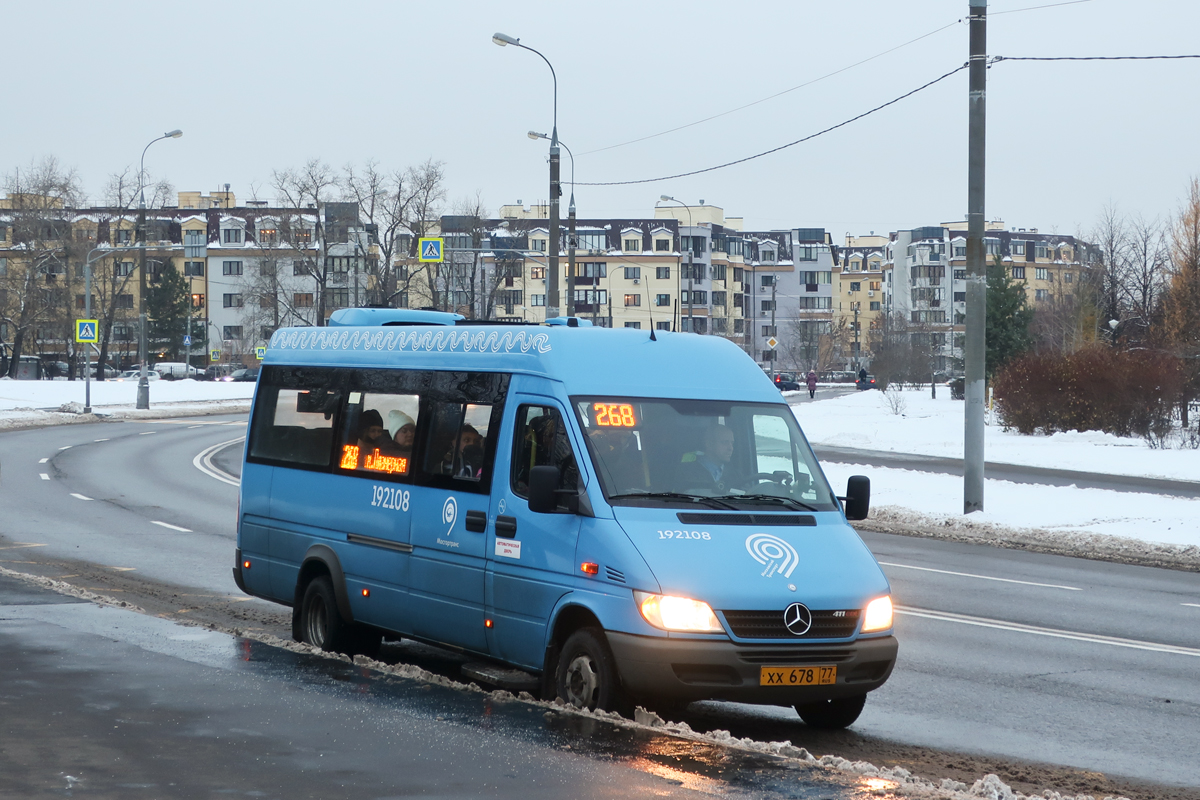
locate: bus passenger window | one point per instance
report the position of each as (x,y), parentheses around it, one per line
(378,434)
(300,430)
(458,444)
(541,440)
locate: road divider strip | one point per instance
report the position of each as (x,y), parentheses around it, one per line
(982,577)
(203,462)
(1016,627)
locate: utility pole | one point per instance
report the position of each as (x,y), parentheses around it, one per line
(552,299)
(691,249)
(774,333)
(143,390)
(571,242)
(976,346)
(857,347)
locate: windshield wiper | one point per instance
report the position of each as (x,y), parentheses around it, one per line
(712,502)
(772,498)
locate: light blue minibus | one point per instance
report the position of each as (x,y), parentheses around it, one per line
(629,517)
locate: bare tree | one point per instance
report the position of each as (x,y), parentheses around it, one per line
(1181,301)
(310,186)
(1145,279)
(1101,290)
(40,206)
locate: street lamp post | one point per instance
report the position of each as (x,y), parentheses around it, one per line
(552,299)
(691,249)
(101,252)
(572,240)
(143,392)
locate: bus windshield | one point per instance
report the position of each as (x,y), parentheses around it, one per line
(715,454)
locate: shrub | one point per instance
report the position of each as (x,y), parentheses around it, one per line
(1096,388)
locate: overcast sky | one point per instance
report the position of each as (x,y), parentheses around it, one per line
(258,86)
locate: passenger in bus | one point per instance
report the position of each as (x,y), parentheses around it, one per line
(371,433)
(467,462)
(709,469)
(404,432)
(620,458)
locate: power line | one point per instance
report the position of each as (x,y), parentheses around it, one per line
(777,94)
(995,59)
(1035,8)
(783,146)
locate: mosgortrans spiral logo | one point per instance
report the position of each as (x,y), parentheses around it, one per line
(777,556)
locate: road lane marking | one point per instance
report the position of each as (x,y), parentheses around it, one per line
(189,427)
(43,460)
(1016,627)
(68,447)
(203,462)
(45,476)
(102,440)
(80,496)
(1193,605)
(19,545)
(983,577)
(172,527)
(147,433)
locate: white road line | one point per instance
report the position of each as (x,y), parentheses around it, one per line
(102,440)
(80,496)
(1193,605)
(43,460)
(203,462)
(146,433)
(68,447)
(45,476)
(172,527)
(189,427)
(983,577)
(983,622)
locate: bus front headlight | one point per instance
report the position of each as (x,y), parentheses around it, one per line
(677,613)
(878,616)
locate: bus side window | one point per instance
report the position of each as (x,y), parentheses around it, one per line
(540,439)
(378,433)
(457,441)
(293,426)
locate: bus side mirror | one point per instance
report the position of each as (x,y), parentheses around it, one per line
(858,497)
(544,495)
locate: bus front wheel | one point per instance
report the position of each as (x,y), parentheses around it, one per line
(587,674)
(832,714)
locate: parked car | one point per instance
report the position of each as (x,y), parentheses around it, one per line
(217,372)
(136,374)
(866,383)
(176,370)
(248,375)
(786,382)
(109,372)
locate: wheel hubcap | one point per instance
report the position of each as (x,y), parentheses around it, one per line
(582,682)
(316,622)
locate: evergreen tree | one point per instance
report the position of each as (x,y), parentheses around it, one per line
(1008,318)
(168,308)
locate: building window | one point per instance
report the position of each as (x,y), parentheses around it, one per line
(662,273)
(1041,294)
(662,245)
(769,330)
(337,298)
(855,286)
(1068,277)
(769,305)
(537,299)
(594,241)
(591,297)
(537,273)
(960,297)
(633,300)
(300,267)
(339,264)
(634,325)
(718,298)
(1042,273)
(768,257)
(592,269)
(698,298)
(874,305)
(193,269)
(1018,248)
(124,236)
(662,299)
(124,301)
(634,245)
(538,245)
(1018,273)
(268,236)
(960,274)
(804,252)
(662,326)
(960,251)
(993,246)
(231,300)
(1043,251)
(633,272)
(231,332)
(814,302)
(693,243)
(231,236)
(231,268)
(302,300)
(767,355)
(767,280)
(197,301)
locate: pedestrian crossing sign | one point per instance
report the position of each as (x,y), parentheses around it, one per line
(430,250)
(87,330)
(260,353)
(214,355)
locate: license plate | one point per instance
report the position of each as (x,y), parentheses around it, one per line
(797,676)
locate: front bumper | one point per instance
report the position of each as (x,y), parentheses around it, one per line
(691,669)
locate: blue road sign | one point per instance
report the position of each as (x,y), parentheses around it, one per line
(87,330)
(430,249)
(187,341)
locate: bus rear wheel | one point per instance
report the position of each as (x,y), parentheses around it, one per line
(587,674)
(832,714)
(320,623)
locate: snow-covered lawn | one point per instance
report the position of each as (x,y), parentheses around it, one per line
(935,427)
(31,403)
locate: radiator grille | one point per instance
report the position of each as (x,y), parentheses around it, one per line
(769,624)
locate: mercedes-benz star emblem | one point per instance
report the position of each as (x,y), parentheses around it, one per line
(797,618)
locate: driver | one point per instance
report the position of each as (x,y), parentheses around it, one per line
(710,468)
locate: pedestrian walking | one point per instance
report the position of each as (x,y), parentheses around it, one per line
(812,384)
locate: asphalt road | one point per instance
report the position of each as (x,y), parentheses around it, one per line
(1004,654)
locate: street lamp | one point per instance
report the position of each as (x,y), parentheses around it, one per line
(552,302)
(572,241)
(143,391)
(691,248)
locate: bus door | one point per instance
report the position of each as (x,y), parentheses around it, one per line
(531,555)
(450,506)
